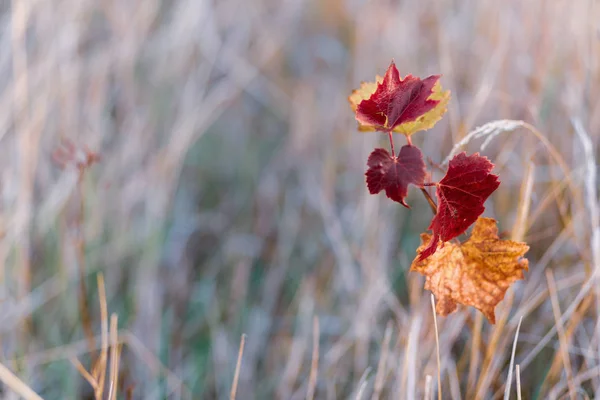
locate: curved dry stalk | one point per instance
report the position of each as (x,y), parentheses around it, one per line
(494,128)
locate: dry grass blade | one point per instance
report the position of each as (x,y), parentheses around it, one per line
(428,395)
(16,385)
(437,349)
(590,190)
(381,366)
(543,342)
(98,372)
(512,362)
(518,373)
(564,346)
(494,128)
(493,353)
(579,379)
(115,353)
(491,130)
(79,244)
(362,384)
(69,351)
(238,367)
(475,354)
(174,383)
(314,365)
(298,348)
(556,369)
(99,369)
(455,391)
(84,372)
(408,376)
(28,141)
(520,225)
(593,208)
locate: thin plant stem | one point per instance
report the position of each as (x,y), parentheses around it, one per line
(437,347)
(238,366)
(391,143)
(429,200)
(84,306)
(17,385)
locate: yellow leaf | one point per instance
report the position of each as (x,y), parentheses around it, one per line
(424,122)
(476,273)
(365,91)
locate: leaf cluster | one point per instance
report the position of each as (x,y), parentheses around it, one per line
(477,272)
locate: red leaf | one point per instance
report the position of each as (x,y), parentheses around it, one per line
(394,174)
(461,194)
(397,101)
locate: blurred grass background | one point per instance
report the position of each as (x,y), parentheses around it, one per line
(230,196)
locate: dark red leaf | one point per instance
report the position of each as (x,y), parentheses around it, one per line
(461,194)
(394,174)
(397,101)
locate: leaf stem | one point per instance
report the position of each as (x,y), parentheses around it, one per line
(391,143)
(409,140)
(429,200)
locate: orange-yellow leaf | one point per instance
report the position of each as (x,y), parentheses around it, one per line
(476,273)
(424,122)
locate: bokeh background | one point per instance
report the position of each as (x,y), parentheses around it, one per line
(230,196)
